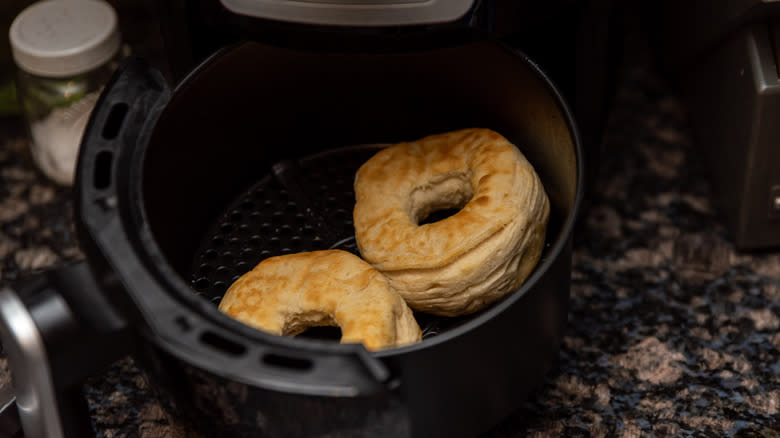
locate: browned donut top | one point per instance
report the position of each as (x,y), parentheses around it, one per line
(477,164)
(287,294)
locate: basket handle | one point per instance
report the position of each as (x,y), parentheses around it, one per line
(52,351)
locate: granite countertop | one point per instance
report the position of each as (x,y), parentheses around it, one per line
(671,331)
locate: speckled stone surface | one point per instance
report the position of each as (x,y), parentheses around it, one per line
(671,331)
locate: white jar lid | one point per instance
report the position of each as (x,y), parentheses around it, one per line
(58,38)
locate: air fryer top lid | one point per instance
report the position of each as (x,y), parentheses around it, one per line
(353,12)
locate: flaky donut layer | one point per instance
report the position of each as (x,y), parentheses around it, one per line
(462,263)
(287,294)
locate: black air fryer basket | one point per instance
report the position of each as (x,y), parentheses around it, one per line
(253,155)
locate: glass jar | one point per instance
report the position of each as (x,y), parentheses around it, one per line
(65,52)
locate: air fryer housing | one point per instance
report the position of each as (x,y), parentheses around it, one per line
(233,119)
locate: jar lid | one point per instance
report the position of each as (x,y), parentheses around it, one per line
(61,38)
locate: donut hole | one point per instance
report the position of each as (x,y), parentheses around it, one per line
(312,325)
(439,215)
(440,197)
(325,332)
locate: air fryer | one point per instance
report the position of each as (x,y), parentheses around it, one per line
(179,191)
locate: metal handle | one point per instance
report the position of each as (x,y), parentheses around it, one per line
(52,348)
(10,425)
(33,382)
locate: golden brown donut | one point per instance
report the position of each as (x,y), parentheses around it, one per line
(287,294)
(462,263)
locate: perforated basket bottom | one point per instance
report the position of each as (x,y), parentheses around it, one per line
(299,206)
